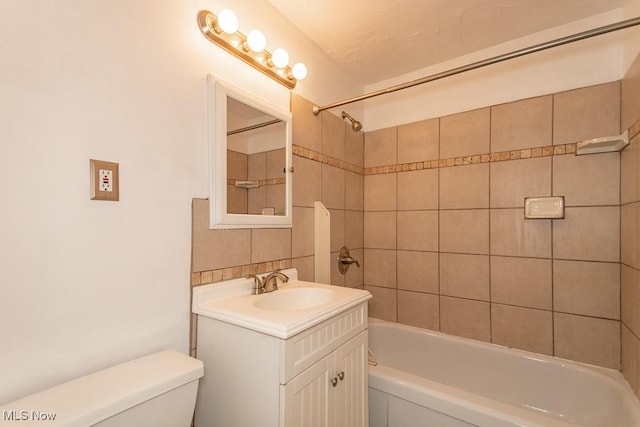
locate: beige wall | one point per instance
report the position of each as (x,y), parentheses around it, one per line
(630,228)
(446,245)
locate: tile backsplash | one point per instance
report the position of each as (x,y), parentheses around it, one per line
(446,245)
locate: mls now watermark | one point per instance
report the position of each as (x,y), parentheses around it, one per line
(28,415)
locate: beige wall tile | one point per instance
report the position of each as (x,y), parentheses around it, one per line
(380,192)
(465,134)
(465,318)
(333,187)
(307,181)
(337,224)
(587,180)
(586,113)
(464,231)
(268,244)
(525,282)
(521,124)
(337,278)
(587,339)
(630,88)
(354,189)
(380,268)
(236,165)
(512,235)
(306,268)
(276,198)
(333,135)
(523,328)
(629,357)
(354,229)
(383,304)
(418,190)
(629,307)
(589,234)
(418,230)
(637,166)
(587,288)
(276,163)
(354,150)
(355,275)
(417,309)
(418,271)
(257,166)
(381,147)
(629,172)
(629,235)
(380,230)
(306,126)
(302,232)
(464,187)
(256,200)
(465,276)
(418,141)
(213,249)
(237,200)
(514,180)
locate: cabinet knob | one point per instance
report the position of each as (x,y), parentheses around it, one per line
(341,375)
(334,381)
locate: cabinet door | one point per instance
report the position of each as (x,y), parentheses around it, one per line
(307,400)
(351,392)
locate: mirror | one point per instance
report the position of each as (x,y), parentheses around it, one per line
(250,173)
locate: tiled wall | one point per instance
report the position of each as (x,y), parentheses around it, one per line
(328,166)
(433,210)
(630,229)
(267,168)
(446,244)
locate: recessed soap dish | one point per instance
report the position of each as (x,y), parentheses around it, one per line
(544,207)
(247,184)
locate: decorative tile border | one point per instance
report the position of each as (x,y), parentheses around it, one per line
(529,153)
(212,276)
(327,160)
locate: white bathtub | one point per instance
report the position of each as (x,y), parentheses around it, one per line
(426,378)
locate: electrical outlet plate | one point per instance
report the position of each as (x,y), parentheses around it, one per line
(104,180)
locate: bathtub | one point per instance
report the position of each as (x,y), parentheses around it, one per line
(426,378)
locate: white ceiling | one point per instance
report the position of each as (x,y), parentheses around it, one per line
(379,39)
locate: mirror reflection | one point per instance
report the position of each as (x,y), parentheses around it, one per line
(256,161)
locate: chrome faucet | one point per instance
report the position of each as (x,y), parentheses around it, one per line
(260,285)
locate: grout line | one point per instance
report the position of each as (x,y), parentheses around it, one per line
(489,228)
(553,317)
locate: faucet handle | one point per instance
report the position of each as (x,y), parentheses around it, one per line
(345,260)
(258,284)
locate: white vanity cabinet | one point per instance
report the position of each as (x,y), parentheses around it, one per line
(317,377)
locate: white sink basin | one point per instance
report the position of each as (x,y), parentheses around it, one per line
(294,307)
(294,299)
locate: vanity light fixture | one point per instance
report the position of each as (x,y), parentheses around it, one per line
(222,29)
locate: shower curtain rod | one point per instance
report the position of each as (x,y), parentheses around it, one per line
(511,55)
(252,127)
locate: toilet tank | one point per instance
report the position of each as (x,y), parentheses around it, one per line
(156,390)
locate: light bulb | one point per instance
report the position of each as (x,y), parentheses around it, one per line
(228,21)
(299,71)
(280,57)
(256,41)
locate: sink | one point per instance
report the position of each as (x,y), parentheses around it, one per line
(296,306)
(294,299)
